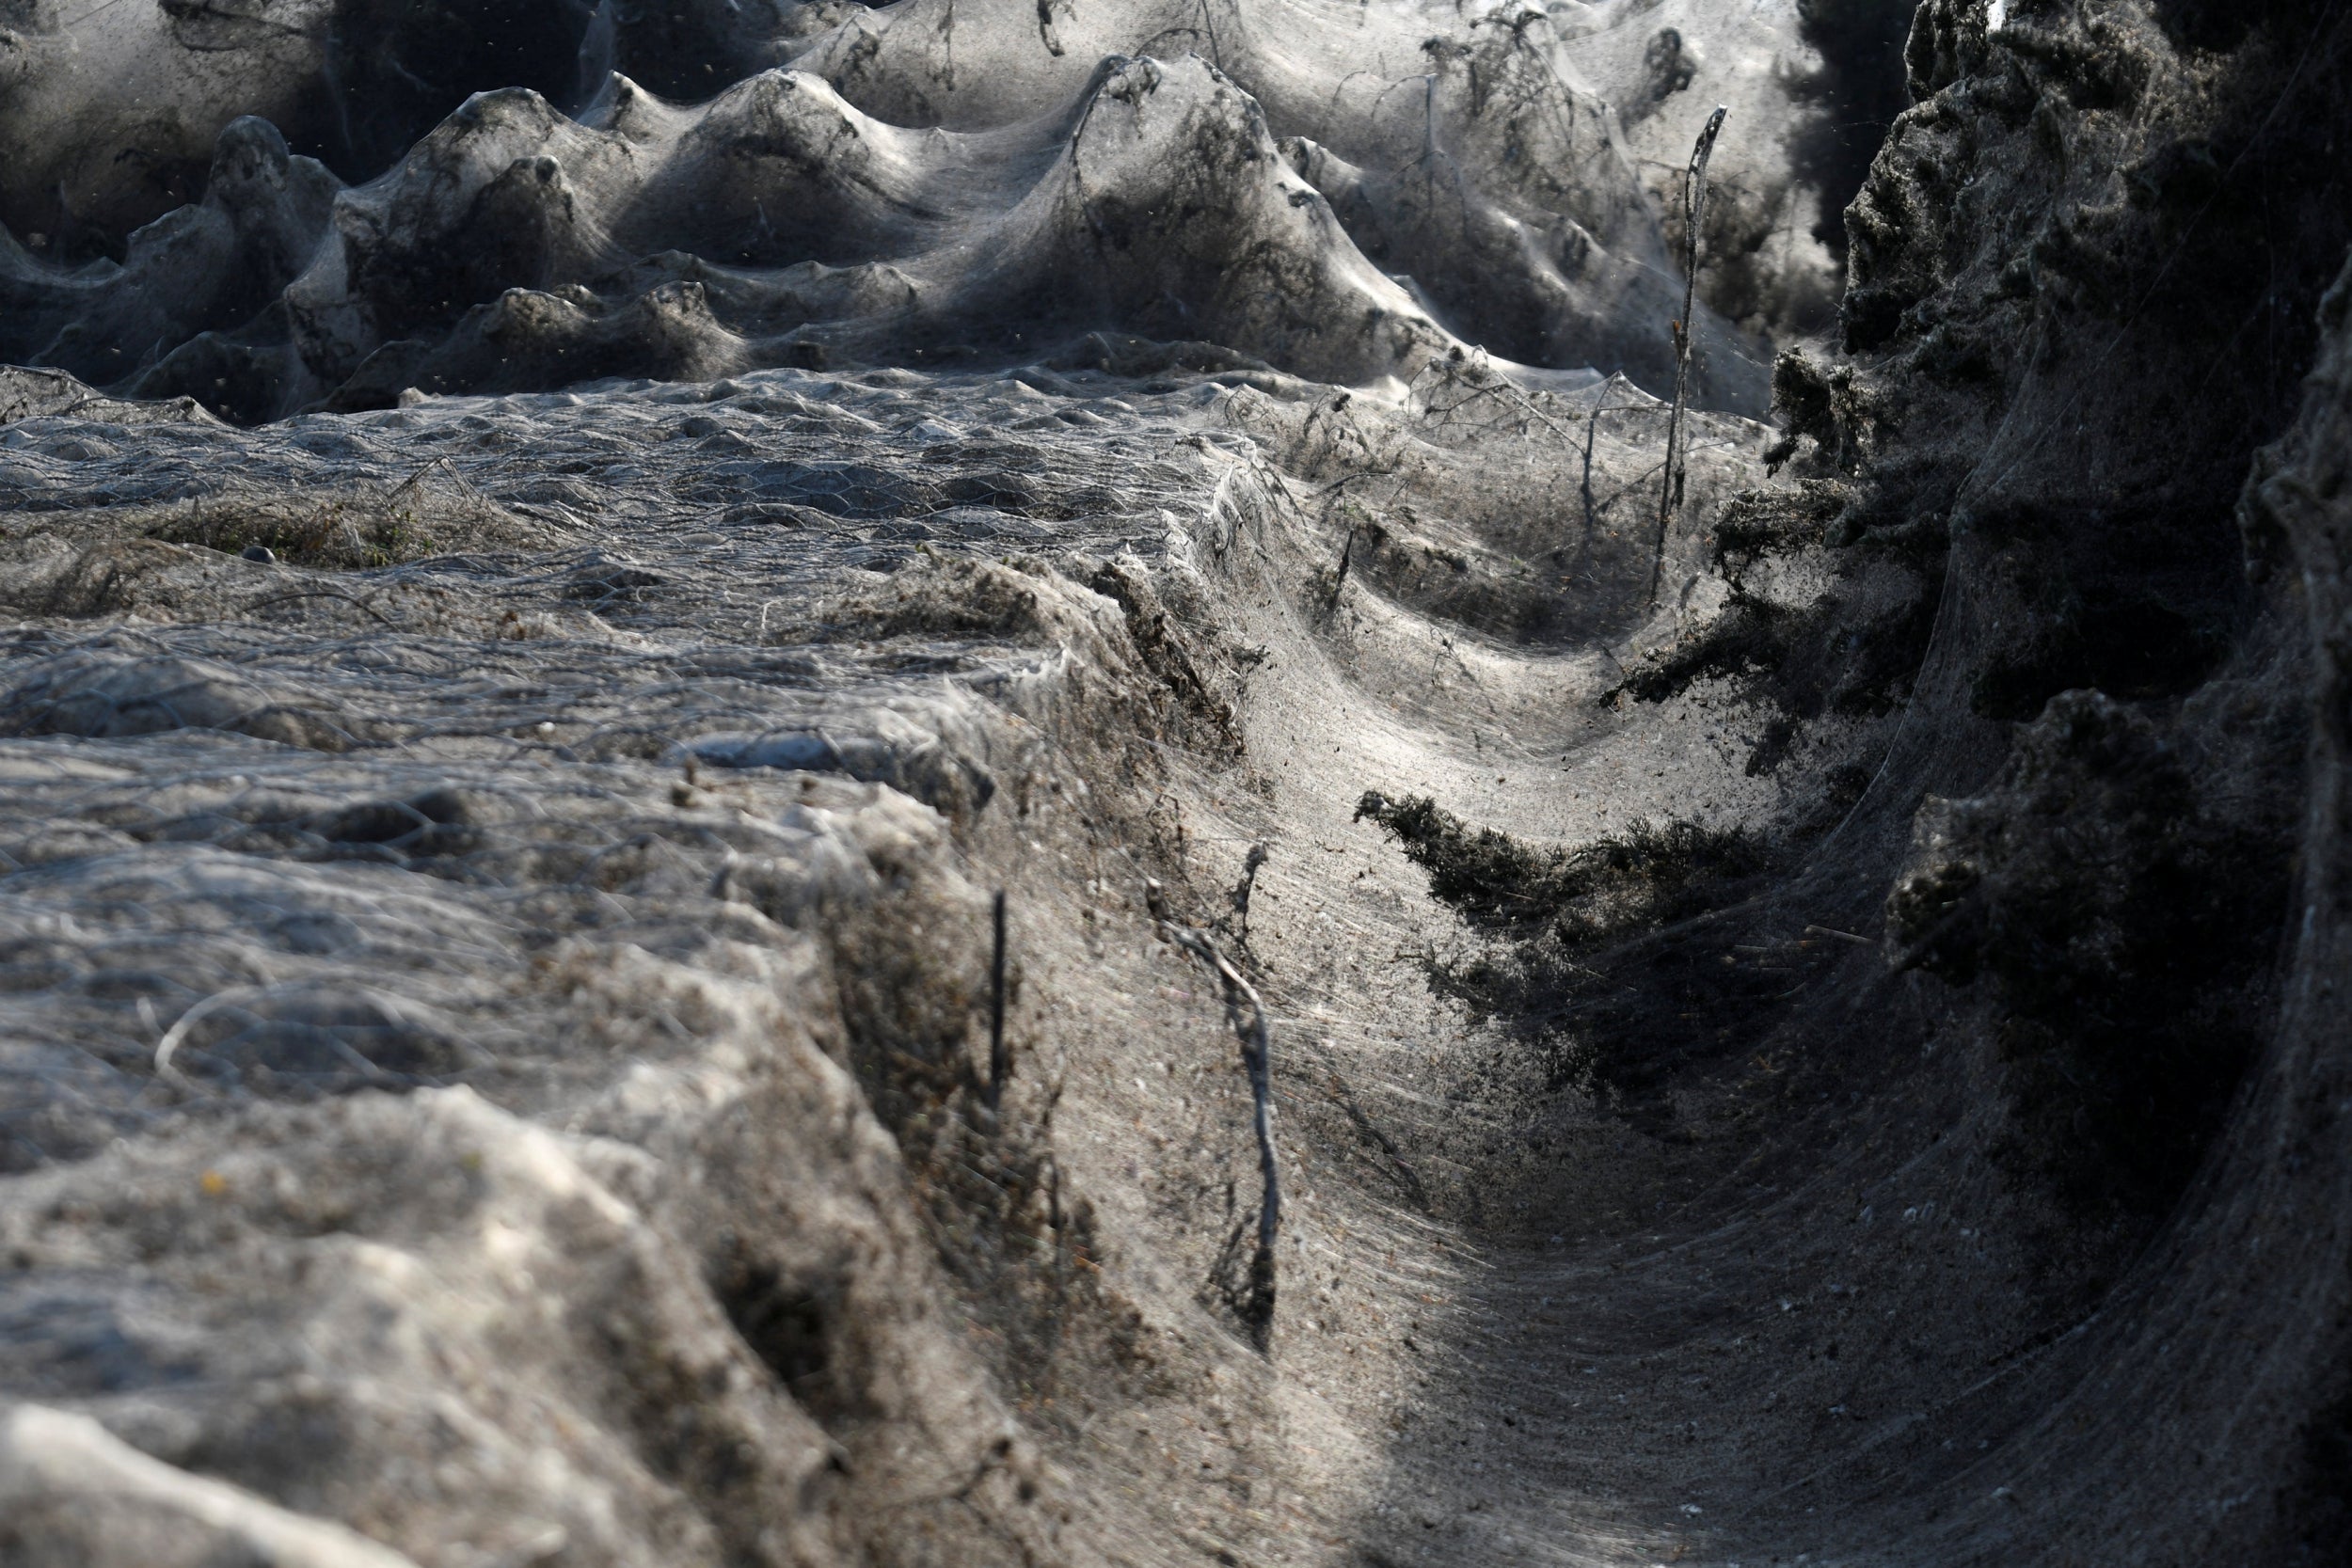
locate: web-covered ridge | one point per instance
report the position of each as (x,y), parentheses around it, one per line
(317,817)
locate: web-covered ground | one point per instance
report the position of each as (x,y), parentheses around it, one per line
(350,721)
(625,769)
(498,1048)
(507,1053)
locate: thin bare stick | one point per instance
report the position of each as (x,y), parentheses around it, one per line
(999,1065)
(1246,1013)
(1694,206)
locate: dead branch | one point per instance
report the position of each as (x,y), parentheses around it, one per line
(1694,204)
(1246,1013)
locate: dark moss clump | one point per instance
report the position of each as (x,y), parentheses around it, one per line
(1761,524)
(1752,637)
(329,535)
(2126,932)
(357,530)
(1846,653)
(1651,876)
(1594,970)
(1852,648)
(1840,655)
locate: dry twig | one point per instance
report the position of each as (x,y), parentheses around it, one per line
(1694,205)
(1246,1012)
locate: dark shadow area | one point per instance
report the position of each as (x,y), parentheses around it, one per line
(1856,92)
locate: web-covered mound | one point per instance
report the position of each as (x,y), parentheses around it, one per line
(908,186)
